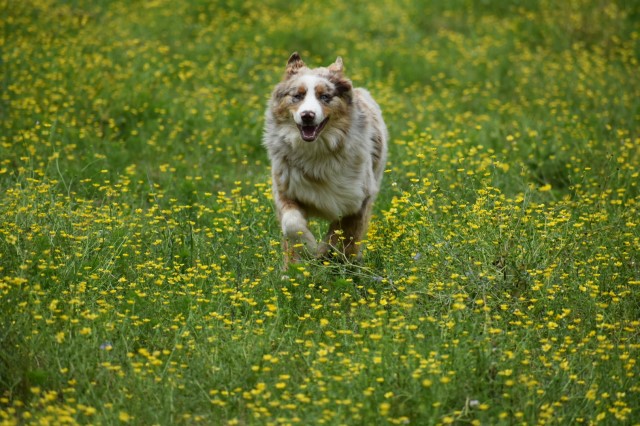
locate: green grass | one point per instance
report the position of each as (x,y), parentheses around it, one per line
(140,263)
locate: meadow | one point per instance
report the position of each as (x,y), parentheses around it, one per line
(141,275)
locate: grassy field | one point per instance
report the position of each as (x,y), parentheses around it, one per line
(140,262)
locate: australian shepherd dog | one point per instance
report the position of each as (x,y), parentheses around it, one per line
(327,143)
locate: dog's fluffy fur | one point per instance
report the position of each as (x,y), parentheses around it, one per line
(327,143)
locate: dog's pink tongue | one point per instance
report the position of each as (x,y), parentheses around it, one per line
(309,132)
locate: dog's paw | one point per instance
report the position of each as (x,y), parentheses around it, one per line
(294,228)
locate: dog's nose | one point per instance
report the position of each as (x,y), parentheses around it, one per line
(308,116)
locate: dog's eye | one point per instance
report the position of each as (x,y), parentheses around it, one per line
(297,97)
(325,97)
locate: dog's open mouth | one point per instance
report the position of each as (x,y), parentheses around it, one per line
(310,133)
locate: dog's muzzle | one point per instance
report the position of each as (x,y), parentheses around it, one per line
(308,130)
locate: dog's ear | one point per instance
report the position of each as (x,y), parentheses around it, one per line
(343,84)
(337,67)
(343,87)
(294,64)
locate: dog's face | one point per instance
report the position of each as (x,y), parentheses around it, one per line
(312,99)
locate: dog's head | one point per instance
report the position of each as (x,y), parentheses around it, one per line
(312,99)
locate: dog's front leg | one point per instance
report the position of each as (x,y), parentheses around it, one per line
(296,235)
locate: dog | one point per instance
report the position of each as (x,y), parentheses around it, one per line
(327,144)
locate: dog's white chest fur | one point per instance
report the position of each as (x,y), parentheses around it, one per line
(329,187)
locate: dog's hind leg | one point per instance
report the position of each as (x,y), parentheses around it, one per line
(345,235)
